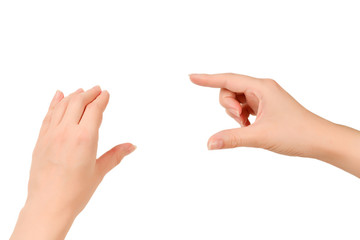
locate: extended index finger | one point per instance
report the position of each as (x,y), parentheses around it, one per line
(230,81)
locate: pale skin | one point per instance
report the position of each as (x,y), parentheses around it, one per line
(282,125)
(65,171)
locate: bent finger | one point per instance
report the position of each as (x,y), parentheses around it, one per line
(228,100)
(236,118)
(93,113)
(78,103)
(61,108)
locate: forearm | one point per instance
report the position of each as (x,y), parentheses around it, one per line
(340,146)
(38,223)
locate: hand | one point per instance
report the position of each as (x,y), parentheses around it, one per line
(282,125)
(65,172)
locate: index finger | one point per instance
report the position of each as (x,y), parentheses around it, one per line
(230,81)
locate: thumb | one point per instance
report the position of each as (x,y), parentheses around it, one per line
(238,137)
(113,157)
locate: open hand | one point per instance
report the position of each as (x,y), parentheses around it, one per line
(65,171)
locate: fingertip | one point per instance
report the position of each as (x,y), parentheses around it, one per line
(57,94)
(192,76)
(236,113)
(96,90)
(232,106)
(106,92)
(80,90)
(97,87)
(197,78)
(196,74)
(215,143)
(229,102)
(132,148)
(56,99)
(126,148)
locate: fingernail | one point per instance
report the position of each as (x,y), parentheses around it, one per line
(234,112)
(196,74)
(80,90)
(216,144)
(131,149)
(57,94)
(97,86)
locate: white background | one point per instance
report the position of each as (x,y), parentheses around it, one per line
(172,187)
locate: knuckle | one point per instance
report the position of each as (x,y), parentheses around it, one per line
(270,82)
(118,157)
(83,136)
(121,152)
(69,134)
(58,137)
(78,99)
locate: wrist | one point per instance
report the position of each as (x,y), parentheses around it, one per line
(37,222)
(338,145)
